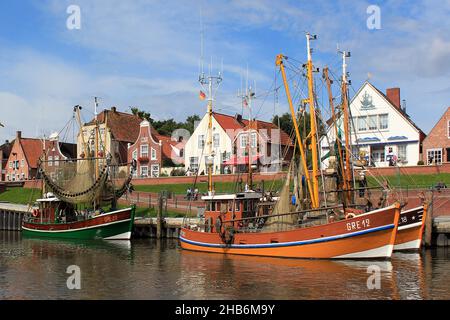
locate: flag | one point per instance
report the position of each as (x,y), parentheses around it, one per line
(202,95)
(245,103)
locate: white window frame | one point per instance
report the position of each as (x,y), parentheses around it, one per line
(387,121)
(399,156)
(10,164)
(372,120)
(134,155)
(193,161)
(201,141)
(153,153)
(155,169)
(56,161)
(142,172)
(216,140)
(142,153)
(50,161)
(362,120)
(434,151)
(243,140)
(253,140)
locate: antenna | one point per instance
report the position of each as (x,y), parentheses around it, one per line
(201,41)
(95,107)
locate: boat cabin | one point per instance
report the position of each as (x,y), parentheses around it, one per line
(230,207)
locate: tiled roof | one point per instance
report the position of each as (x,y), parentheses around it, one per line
(124,126)
(230,122)
(32,149)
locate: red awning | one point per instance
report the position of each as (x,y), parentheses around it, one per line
(237,160)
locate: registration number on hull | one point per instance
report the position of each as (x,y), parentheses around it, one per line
(358,225)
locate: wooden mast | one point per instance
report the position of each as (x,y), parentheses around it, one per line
(338,142)
(345,110)
(279,62)
(312,111)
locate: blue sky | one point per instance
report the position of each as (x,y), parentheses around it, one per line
(146,53)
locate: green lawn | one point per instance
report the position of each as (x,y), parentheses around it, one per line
(220,187)
(412,181)
(20,195)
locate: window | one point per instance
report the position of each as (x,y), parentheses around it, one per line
(402,153)
(7,177)
(23,176)
(144,151)
(434,156)
(362,123)
(144,172)
(155,171)
(181,152)
(384,123)
(449,129)
(201,141)
(134,155)
(22,163)
(216,139)
(253,140)
(153,154)
(56,158)
(11,164)
(50,161)
(194,163)
(244,140)
(373,122)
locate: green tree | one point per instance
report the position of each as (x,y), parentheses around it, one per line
(141,114)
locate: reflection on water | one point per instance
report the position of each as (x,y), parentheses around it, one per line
(148,269)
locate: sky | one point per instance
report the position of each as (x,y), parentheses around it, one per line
(146,54)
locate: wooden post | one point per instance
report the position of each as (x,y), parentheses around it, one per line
(429,222)
(159,218)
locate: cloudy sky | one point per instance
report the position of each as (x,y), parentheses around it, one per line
(146,53)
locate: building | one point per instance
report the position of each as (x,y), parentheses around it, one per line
(229,144)
(152,152)
(382,133)
(436,146)
(5,150)
(25,154)
(116,131)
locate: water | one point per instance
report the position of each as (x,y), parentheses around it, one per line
(149,269)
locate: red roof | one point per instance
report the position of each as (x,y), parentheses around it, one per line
(230,122)
(32,149)
(124,126)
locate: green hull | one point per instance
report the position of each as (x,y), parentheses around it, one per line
(120,230)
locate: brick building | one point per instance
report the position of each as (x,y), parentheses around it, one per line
(5,150)
(436,146)
(152,151)
(25,153)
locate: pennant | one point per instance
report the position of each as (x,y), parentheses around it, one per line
(202,95)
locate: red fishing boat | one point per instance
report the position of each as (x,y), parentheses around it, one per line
(410,228)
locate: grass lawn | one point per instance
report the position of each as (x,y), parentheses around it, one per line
(20,195)
(220,187)
(412,181)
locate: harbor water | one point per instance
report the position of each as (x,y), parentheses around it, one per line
(151,269)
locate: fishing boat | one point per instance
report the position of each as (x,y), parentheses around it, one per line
(79,196)
(235,223)
(410,228)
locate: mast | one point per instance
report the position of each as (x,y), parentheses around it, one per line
(312,111)
(96,138)
(279,62)
(210,81)
(345,110)
(77,109)
(338,142)
(247,100)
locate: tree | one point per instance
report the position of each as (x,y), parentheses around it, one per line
(141,114)
(189,125)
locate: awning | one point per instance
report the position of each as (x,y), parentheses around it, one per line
(235,160)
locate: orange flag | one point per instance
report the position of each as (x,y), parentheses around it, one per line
(202,95)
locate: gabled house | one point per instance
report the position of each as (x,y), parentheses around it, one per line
(5,150)
(152,152)
(25,154)
(436,146)
(382,133)
(229,147)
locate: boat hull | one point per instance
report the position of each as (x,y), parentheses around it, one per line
(116,225)
(410,229)
(371,235)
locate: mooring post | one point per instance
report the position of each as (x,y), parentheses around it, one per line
(429,222)
(159,217)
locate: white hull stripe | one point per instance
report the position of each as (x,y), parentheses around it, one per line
(414,209)
(78,229)
(409,226)
(288,244)
(384,251)
(410,245)
(122,236)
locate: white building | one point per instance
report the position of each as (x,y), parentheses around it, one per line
(226,145)
(380,129)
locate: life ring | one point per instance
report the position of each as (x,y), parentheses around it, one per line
(35,212)
(350,215)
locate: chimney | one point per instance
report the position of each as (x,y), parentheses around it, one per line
(113,109)
(238,117)
(19,135)
(404,105)
(393,94)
